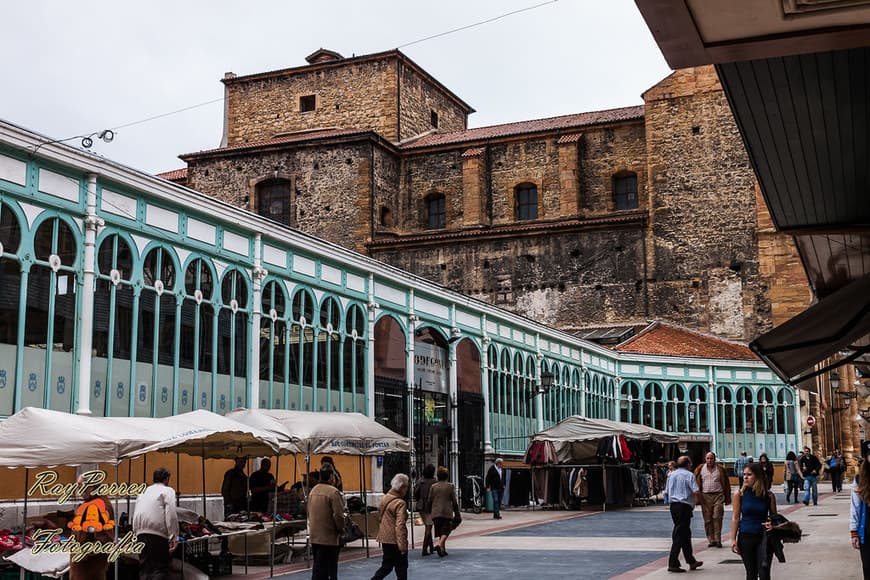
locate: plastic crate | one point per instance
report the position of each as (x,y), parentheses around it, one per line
(195,549)
(215,565)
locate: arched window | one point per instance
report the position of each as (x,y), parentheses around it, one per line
(526,196)
(233,349)
(274,347)
(698,421)
(436,211)
(275,201)
(302,348)
(157,320)
(677,410)
(198,323)
(625,191)
(50,317)
(10,293)
(354,359)
(113,321)
(630,404)
(328,356)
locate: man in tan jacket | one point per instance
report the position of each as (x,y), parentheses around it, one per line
(712,479)
(393,531)
(325,525)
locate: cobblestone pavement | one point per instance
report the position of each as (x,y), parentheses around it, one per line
(626,544)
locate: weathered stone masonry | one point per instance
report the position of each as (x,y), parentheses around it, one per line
(695,250)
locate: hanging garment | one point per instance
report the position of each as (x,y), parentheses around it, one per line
(624,451)
(581,485)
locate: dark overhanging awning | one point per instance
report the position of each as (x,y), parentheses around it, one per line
(839,322)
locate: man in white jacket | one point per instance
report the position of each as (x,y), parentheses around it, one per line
(155,522)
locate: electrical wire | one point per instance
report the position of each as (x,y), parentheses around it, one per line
(439,35)
(487,21)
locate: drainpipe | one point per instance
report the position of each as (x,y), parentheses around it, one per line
(86,335)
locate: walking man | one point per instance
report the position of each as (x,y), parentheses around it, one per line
(325,524)
(682,492)
(740,465)
(810,468)
(155,523)
(495,485)
(712,479)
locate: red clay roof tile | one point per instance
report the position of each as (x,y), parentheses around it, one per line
(533,126)
(174,175)
(291,138)
(665,339)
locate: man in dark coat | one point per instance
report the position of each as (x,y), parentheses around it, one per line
(495,485)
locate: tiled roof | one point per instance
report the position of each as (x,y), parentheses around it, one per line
(668,340)
(174,175)
(533,126)
(292,138)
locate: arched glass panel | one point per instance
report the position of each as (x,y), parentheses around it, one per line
(50,318)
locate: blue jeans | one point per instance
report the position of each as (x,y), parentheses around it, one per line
(497,494)
(810,484)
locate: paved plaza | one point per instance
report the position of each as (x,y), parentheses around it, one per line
(625,544)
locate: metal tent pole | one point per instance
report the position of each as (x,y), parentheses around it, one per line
(363,486)
(274,515)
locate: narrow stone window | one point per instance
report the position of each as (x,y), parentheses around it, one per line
(526,202)
(625,191)
(307,103)
(436,212)
(434,118)
(275,201)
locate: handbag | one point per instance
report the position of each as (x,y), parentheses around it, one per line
(351,532)
(454,523)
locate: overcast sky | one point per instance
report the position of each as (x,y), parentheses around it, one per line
(73,68)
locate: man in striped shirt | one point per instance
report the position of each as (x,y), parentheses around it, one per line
(683,492)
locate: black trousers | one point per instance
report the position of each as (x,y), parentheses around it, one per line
(154,559)
(865,558)
(393,558)
(836,479)
(681,538)
(750,552)
(325,566)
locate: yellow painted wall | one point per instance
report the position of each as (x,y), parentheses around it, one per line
(187,473)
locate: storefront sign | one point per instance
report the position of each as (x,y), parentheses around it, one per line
(430,367)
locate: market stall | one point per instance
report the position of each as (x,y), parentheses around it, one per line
(598,460)
(311,433)
(34,438)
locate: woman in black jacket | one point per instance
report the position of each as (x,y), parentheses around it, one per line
(767,466)
(421,500)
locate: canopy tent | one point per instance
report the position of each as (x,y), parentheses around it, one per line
(324,433)
(205,434)
(36,437)
(575,439)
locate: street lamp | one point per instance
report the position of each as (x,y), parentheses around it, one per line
(546,382)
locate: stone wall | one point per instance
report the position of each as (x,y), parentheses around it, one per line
(705,251)
(333,185)
(788,289)
(418,98)
(423,175)
(563,279)
(604,152)
(355,95)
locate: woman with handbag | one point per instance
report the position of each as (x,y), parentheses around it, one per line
(393,530)
(753,506)
(792,477)
(858,512)
(767,466)
(421,498)
(445,509)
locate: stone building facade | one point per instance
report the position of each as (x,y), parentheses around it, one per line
(637,213)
